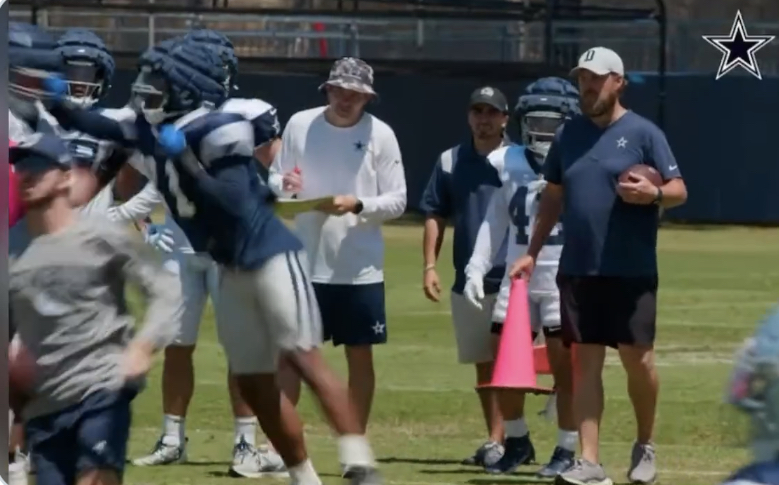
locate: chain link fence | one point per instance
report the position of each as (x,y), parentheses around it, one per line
(306,34)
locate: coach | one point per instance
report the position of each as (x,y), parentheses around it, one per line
(608,269)
(341,150)
(460,188)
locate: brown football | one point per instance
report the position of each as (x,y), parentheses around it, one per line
(649,172)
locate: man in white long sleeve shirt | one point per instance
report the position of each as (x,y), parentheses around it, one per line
(340,150)
(541,110)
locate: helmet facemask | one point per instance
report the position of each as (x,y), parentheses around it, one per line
(85,82)
(538,129)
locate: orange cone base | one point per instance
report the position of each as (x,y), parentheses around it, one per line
(538,391)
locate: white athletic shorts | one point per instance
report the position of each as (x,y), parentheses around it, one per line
(472,329)
(199,277)
(267,311)
(544,307)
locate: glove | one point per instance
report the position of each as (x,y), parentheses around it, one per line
(172,140)
(474,291)
(159,238)
(55,86)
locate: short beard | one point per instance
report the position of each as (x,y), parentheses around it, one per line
(600,108)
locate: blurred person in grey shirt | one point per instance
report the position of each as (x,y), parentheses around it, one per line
(67,295)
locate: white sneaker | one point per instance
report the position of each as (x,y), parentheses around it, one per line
(17,473)
(163,454)
(250,462)
(24,458)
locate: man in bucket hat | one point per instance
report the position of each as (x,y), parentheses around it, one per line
(340,151)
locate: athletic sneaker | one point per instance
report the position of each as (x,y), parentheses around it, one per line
(251,462)
(561,460)
(583,472)
(163,454)
(17,473)
(360,475)
(517,452)
(486,455)
(643,467)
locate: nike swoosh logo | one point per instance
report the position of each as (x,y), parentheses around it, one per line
(673,167)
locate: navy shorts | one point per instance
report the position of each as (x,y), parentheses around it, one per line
(352,314)
(90,435)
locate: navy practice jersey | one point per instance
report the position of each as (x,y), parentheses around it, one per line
(214,191)
(766,473)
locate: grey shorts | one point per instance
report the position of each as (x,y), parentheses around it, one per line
(267,311)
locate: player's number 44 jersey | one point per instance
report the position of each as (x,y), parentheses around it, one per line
(514,208)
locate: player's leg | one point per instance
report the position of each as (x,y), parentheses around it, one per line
(355,317)
(248,460)
(635,305)
(519,449)
(289,304)
(178,376)
(475,347)
(102,432)
(584,316)
(548,305)
(244,332)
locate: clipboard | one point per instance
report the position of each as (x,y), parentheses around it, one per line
(288,208)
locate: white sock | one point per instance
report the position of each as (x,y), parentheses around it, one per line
(173,430)
(304,474)
(567,440)
(354,450)
(246,429)
(516,428)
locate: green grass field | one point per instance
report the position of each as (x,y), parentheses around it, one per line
(715,285)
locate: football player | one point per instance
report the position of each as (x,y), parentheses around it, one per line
(199,276)
(541,110)
(754,389)
(209,180)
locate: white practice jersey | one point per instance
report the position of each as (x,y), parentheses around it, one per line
(362,160)
(514,206)
(266,126)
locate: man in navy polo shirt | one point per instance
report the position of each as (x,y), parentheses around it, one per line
(608,268)
(460,188)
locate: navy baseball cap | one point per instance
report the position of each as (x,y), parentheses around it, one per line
(351,73)
(40,152)
(491,97)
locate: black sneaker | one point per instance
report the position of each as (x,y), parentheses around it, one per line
(518,452)
(561,460)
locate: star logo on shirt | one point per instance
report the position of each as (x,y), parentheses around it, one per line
(378,328)
(359,146)
(738,48)
(622,142)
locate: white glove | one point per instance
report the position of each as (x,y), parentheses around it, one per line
(159,237)
(474,291)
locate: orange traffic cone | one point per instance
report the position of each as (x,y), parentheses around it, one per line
(515,364)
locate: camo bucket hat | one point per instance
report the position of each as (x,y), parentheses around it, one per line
(352,74)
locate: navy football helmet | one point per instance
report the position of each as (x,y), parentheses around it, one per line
(32,57)
(89,66)
(176,78)
(544,106)
(224,48)
(754,387)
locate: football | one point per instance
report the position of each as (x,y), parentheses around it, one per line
(649,172)
(21,375)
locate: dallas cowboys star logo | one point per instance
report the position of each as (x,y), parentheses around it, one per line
(359,146)
(739,48)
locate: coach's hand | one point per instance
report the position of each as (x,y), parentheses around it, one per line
(138,359)
(431,284)
(474,291)
(638,190)
(339,205)
(523,267)
(292,181)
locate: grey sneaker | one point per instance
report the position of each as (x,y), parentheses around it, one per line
(488,454)
(643,466)
(583,472)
